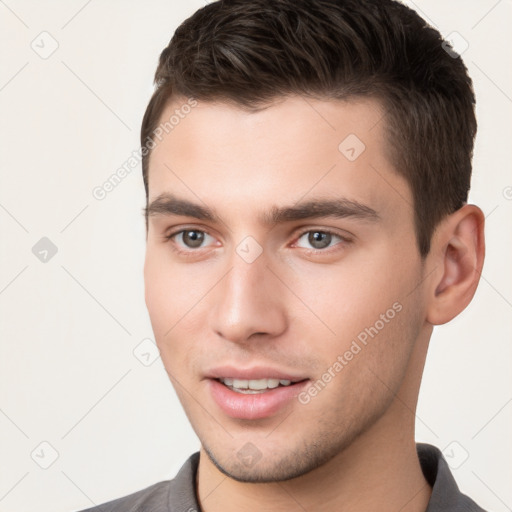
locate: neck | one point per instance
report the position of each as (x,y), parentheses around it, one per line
(380,470)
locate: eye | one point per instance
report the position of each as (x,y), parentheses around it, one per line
(191,238)
(318,239)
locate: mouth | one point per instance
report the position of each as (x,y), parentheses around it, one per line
(255,398)
(255,386)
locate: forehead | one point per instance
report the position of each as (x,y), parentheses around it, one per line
(297,146)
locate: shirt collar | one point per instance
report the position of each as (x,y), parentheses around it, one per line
(446,495)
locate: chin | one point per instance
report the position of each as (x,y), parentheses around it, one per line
(279,468)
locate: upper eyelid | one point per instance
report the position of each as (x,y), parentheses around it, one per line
(297,232)
(343,238)
(173,234)
(177,231)
(319,230)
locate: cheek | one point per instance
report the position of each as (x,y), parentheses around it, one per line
(371,313)
(157,282)
(385,322)
(165,286)
(351,296)
(175,300)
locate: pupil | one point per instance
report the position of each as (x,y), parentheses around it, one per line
(193,238)
(319,239)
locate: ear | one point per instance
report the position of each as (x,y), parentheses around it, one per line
(458,250)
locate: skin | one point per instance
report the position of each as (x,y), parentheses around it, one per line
(296,308)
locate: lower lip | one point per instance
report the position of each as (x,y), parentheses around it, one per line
(255,405)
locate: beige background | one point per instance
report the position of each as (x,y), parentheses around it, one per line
(71,327)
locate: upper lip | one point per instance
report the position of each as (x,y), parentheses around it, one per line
(253,373)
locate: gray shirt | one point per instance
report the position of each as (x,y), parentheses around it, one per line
(179,495)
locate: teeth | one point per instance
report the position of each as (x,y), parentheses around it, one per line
(240,384)
(255,384)
(263,384)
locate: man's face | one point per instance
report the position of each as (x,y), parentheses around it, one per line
(292,250)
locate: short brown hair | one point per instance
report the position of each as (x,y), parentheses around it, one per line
(250,52)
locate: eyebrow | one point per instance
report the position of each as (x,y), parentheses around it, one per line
(168,204)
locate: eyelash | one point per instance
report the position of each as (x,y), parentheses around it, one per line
(177,249)
(191,252)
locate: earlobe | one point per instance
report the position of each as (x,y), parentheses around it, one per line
(459,247)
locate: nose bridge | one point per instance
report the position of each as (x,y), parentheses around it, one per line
(247,280)
(247,301)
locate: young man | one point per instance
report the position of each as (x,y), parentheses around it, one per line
(306,165)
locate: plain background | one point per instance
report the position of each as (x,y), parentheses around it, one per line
(71,326)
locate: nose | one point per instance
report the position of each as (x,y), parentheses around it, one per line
(248,302)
